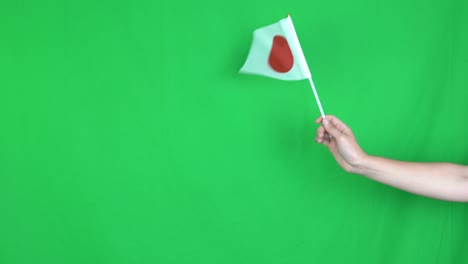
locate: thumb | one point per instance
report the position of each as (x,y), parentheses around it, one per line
(331,128)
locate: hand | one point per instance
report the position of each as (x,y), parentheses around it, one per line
(341,142)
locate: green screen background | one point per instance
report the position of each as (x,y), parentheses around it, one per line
(128,136)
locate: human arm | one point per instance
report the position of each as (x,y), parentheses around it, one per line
(445,181)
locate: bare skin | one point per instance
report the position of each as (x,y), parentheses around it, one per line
(444,181)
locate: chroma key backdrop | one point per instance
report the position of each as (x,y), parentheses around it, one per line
(127,134)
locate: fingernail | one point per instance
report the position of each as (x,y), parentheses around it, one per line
(325,122)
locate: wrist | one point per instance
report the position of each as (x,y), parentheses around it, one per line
(360,164)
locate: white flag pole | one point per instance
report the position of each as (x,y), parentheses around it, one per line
(316,97)
(305,67)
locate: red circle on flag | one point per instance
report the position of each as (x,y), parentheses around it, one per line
(281,58)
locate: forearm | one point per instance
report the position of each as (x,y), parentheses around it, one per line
(444,181)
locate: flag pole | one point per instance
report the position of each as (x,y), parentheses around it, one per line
(305,67)
(316,97)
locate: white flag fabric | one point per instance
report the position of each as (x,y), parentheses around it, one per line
(276,53)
